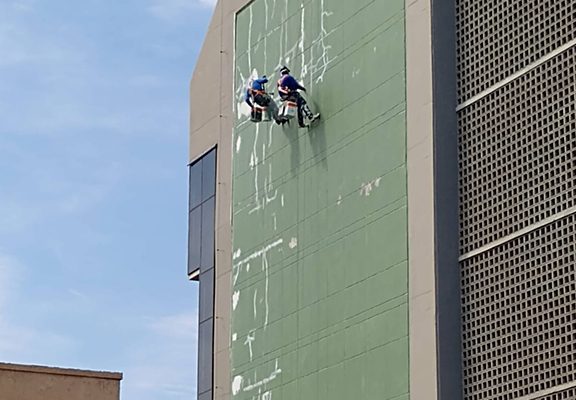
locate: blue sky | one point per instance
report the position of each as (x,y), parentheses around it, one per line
(93,191)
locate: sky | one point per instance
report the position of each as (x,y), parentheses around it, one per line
(93,188)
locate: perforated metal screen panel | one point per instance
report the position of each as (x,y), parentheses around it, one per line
(517,147)
(497,38)
(519,315)
(517,171)
(569,394)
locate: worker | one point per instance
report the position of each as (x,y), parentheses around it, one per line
(256,93)
(288,90)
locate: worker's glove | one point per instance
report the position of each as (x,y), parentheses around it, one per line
(304,90)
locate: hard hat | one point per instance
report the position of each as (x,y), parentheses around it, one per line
(284,70)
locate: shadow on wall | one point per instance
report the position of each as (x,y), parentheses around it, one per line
(291,132)
(317,136)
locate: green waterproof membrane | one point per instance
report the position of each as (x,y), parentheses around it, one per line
(320,263)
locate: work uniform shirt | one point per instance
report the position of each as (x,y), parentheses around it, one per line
(257,85)
(287,84)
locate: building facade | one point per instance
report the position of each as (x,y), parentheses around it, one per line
(415,244)
(32,382)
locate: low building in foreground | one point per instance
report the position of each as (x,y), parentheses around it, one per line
(31,382)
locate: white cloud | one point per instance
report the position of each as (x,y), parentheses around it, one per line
(20,343)
(163,363)
(171,10)
(208,3)
(181,325)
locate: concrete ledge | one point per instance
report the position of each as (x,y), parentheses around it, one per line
(37,369)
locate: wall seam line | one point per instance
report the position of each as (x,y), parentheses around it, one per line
(547,392)
(516,75)
(517,234)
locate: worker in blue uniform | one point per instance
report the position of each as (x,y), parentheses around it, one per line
(288,88)
(256,93)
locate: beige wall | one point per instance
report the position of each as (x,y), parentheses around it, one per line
(211,124)
(23,382)
(420,159)
(434,283)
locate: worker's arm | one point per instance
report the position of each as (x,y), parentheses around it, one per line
(247,98)
(291,83)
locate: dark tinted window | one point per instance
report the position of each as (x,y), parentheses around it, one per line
(206,306)
(201,255)
(209,175)
(202,201)
(205,343)
(195,185)
(194,239)
(205,396)
(207,247)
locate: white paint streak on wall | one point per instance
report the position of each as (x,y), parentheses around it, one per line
(366,188)
(249,340)
(234,336)
(254,163)
(238,143)
(254,303)
(339,200)
(235,299)
(293,243)
(321,65)
(266,282)
(269,187)
(259,253)
(237,254)
(303,69)
(250,38)
(277,371)
(237,384)
(274,221)
(282,200)
(258,41)
(270,129)
(265,16)
(286,31)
